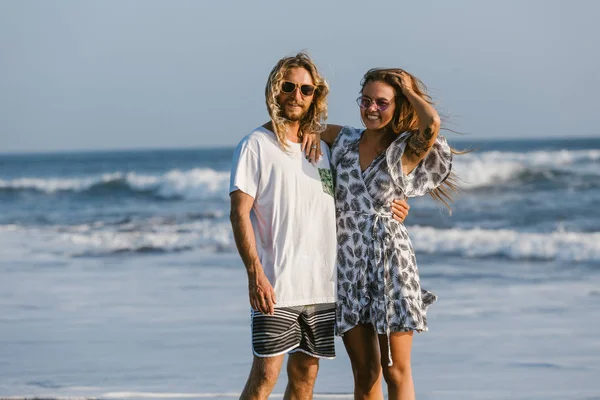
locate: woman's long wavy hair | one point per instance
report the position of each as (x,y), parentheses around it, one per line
(405,119)
(314,120)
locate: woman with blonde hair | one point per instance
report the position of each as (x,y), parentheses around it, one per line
(380,302)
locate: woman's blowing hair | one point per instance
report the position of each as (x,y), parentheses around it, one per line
(405,119)
(314,120)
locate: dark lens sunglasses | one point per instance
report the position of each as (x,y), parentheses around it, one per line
(365,103)
(290,87)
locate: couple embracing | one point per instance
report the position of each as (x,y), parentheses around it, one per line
(317,214)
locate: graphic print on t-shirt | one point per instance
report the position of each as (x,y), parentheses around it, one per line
(326,180)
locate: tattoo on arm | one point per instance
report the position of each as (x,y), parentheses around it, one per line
(419,142)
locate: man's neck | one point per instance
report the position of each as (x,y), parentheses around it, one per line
(292,131)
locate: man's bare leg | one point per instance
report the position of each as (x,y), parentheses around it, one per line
(262,379)
(302,372)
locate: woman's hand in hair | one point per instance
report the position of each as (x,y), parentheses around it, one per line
(406,83)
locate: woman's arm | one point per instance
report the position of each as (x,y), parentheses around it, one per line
(419,143)
(331,133)
(310,140)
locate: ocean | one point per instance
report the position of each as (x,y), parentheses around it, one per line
(119,277)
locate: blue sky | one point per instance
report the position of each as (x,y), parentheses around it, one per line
(163,74)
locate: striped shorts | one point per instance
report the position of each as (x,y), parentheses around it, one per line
(308,329)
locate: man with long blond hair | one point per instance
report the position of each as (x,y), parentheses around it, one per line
(283,220)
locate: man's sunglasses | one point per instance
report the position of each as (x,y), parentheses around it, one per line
(365,102)
(290,87)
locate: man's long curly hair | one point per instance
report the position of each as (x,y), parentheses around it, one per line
(314,120)
(405,119)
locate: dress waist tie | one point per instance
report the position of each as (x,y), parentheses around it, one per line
(380,259)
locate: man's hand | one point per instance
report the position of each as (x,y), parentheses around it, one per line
(261,293)
(400,209)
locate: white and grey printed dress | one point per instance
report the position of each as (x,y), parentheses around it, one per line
(378,279)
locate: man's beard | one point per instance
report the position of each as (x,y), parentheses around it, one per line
(294,117)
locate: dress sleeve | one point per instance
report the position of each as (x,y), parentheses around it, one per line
(430,173)
(341,142)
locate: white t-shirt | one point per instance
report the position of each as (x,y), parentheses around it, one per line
(293,216)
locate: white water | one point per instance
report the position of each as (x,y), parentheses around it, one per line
(197,183)
(215,236)
(477,169)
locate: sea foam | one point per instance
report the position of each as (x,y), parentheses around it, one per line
(215,236)
(478,243)
(197,183)
(476,170)
(481,169)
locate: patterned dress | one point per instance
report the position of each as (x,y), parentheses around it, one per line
(378,279)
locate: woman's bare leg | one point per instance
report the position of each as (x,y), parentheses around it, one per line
(399,375)
(363,350)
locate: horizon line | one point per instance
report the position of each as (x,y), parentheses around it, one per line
(227,147)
